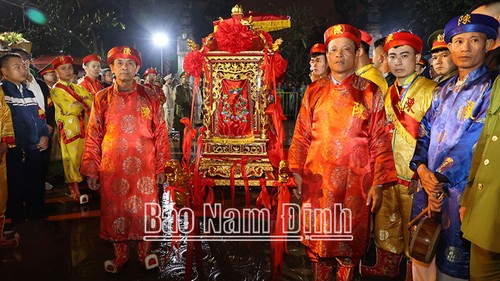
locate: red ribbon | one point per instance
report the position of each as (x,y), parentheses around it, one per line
(243,162)
(197,181)
(263,200)
(409,123)
(73,94)
(282,219)
(189,135)
(276,151)
(208,184)
(231,183)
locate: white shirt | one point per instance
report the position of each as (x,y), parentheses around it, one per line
(37,91)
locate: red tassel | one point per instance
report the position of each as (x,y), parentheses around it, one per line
(243,162)
(282,219)
(197,185)
(209,184)
(189,134)
(231,183)
(263,200)
(222,198)
(210,196)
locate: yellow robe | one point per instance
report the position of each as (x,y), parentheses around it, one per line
(391,231)
(71,117)
(371,73)
(6,136)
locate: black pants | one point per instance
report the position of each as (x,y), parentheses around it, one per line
(46,161)
(25,184)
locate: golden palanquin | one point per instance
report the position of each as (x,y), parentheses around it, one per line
(235,100)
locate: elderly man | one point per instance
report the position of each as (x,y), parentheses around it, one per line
(126,149)
(448,134)
(340,154)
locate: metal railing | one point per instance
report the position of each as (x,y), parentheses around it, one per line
(290,102)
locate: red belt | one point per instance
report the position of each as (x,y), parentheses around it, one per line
(403,182)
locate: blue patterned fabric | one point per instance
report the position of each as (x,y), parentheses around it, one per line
(447,136)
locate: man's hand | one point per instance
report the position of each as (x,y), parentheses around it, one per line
(435,201)
(92,183)
(374,198)
(43,144)
(160,178)
(429,181)
(298,180)
(3,150)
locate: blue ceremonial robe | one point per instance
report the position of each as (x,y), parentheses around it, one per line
(447,137)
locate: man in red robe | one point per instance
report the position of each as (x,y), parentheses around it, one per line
(126,149)
(92,67)
(149,82)
(341,156)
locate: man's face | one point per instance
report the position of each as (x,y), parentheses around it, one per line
(402,61)
(15,70)
(185,80)
(124,69)
(150,78)
(469,49)
(50,77)
(107,77)
(442,62)
(92,68)
(65,72)
(378,57)
(169,81)
(318,65)
(341,56)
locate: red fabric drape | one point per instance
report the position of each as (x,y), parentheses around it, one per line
(234,118)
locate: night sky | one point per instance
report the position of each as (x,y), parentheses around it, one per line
(144,18)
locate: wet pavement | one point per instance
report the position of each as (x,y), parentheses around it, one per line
(66,246)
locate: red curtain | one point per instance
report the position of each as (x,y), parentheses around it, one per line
(234,119)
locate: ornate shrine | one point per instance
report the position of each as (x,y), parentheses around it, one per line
(241,140)
(236,61)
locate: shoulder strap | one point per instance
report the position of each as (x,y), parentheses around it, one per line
(409,123)
(72,92)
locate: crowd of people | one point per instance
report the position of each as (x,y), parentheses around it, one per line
(388,137)
(378,135)
(105,127)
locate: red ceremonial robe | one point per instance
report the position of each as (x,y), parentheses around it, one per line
(126,147)
(91,85)
(341,149)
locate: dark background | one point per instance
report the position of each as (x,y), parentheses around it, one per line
(80,27)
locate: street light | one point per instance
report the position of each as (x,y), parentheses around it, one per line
(160,39)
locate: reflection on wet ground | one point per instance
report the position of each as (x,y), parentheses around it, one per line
(66,246)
